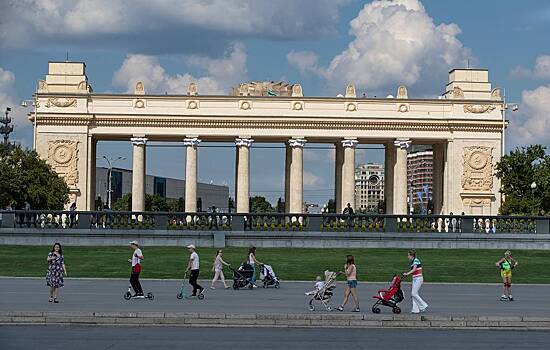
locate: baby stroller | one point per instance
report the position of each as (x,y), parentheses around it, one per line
(324,294)
(391,297)
(268,277)
(242,277)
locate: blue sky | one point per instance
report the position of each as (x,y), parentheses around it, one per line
(323,44)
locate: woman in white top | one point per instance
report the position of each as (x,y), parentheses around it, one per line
(253,262)
(217,268)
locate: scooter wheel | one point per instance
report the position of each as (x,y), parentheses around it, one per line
(329,308)
(376,310)
(200,296)
(150,296)
(179,296)
(396,310)
(127,295)
(311,307)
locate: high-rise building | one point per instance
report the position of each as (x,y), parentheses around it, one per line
(420,175)
(369,187)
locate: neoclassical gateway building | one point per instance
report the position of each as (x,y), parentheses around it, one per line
(465,126)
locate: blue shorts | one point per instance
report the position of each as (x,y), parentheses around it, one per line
(352,283)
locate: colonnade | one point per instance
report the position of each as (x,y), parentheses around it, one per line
(395,186)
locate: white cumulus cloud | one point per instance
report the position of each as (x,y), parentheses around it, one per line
(532,123)
(540,71)
(395,42)
(8,98)
(220,74)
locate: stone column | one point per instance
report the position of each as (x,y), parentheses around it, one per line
(389,165)
(288,162)
(138,173)
(191,144)
(400,177)
(438,166)
(348,173)
(448,190)
(297,175)
(338,172)
(242,180)
(90,189)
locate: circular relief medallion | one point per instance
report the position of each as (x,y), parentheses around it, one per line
(62,154)
(478,160)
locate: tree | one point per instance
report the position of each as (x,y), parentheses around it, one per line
(259,204)
(152,203)
(280,205)
(518,172)
(331,206)
(24,177)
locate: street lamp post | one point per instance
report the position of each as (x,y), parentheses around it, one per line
(110,162)
(34,103)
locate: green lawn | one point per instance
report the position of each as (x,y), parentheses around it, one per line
(440,265)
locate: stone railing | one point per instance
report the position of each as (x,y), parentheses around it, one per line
(117,220)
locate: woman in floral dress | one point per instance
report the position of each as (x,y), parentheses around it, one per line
(56,269)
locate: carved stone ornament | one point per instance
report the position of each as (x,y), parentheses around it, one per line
(139,104)
(245,105)
(403,108)
(458,94)
(297,90)
(83,86)
(191,141)
(192,104)
(42,86)
(402,143)
(349,143)
(495,94)
(192,89)
(140,88)
(61,102)
(63,158)
(243,142)
(138,141)
(478,168)
(478,109)
(402,92)
(297,143)
(350,91)
(351,106)
(297,105)
(263,88)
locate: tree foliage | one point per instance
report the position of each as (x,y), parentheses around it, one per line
(517,172)
(24,177)
(152,203)
(259,204)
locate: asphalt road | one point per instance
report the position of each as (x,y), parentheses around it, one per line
(131,338)
(22,294)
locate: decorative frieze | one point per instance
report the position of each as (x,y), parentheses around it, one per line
(477,168)
(63,158)
(478,108)
(61,102)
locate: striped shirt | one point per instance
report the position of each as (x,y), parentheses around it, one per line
(418,264)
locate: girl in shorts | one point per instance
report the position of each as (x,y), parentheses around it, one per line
(506,265)
(351,284)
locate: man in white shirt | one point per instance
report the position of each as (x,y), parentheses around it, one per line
(193,266)
(136,269)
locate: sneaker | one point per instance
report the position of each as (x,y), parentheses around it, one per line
(356,310)
(50,300)
(415,312)
(510,298)
(340,308)
(503,298)
(56,301)
(212,287)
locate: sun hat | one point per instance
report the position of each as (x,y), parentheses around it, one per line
(191,246)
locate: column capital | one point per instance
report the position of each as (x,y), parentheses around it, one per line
(297,142)
(138,141)
(349,143)
(402,143)
(246,142)
(192,141)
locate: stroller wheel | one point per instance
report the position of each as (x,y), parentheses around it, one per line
(311,307)
(150,296)
(127,295)
(396,310)
(200,296)
(277,285)
(235,286)
(329,308)
(250,286)
(179,296)
(376,310)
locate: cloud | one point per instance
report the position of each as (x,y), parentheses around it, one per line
(220,74)
(8,98)
(166,25)
(395,42)
(311,180)
(541,70)
(532,123)
(305,61)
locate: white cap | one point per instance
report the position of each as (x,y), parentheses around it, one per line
(191,246)
(134,242)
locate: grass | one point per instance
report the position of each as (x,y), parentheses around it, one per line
(440,265)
